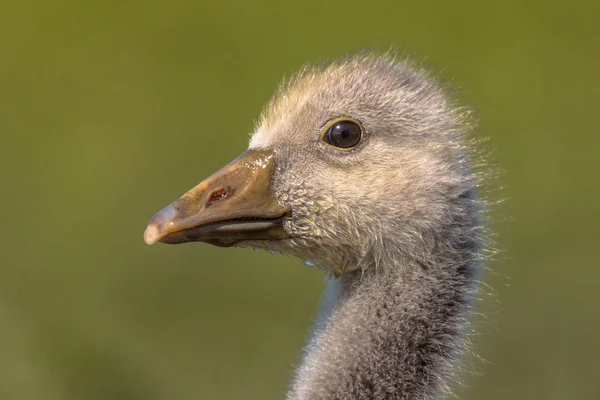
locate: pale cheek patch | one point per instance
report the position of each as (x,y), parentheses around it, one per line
(261,139)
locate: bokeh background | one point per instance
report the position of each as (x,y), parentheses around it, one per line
(111,109)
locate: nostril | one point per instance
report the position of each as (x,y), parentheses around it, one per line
(217,195)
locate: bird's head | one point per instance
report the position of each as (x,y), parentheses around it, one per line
(348,162)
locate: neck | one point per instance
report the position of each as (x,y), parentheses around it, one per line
(388,333)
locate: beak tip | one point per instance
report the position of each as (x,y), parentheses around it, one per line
(151,235)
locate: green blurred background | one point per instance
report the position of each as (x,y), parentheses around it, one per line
(111,109)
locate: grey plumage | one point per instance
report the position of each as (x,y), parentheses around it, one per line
(397,220)
(394,215)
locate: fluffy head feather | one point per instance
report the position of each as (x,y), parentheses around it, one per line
(398,193)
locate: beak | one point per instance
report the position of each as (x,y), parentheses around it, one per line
(234,204)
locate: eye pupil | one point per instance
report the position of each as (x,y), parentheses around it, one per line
(344,134)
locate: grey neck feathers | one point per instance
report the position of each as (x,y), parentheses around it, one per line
(394,331)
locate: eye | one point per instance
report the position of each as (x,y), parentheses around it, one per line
(343,134)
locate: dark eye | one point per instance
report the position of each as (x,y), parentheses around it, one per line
(343,134)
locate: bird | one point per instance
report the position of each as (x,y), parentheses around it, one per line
(364,166)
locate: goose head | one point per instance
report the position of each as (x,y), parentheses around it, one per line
(349,163)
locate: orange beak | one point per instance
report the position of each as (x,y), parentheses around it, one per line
(234,204)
